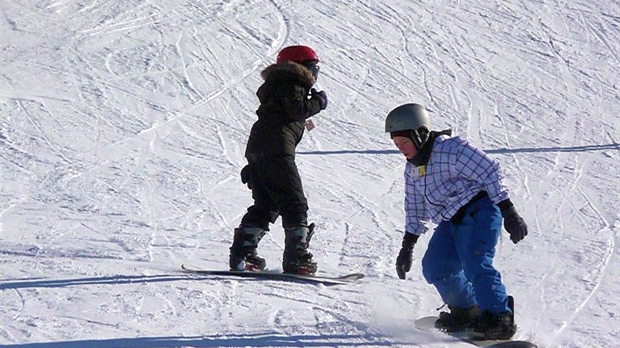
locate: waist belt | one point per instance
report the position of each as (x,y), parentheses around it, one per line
(458,217)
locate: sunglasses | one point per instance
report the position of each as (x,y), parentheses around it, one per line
(313,66)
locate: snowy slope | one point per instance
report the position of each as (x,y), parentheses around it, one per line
(122,131)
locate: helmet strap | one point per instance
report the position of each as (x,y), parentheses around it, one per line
(420,137)
(424,151)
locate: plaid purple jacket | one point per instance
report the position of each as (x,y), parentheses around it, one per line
(454,174)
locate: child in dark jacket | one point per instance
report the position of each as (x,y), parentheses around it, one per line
(287,100)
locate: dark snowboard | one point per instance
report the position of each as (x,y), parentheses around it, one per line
(428,324)
(326,280)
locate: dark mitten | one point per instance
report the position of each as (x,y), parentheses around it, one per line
(245,176)
(513,223)
(405,256)
(321,97)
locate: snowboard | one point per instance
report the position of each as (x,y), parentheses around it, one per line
(274,275)
(428,324)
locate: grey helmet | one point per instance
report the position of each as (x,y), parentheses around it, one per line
(412,117)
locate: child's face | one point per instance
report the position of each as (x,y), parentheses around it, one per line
(405,146)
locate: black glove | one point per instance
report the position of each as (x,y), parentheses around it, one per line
(513,223)
(321,97)
(403,261)
(245,176)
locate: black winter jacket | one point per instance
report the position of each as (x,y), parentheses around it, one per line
(284,108)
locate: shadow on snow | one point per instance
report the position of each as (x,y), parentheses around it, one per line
(116,279)
(130,279)
(584,148)
(257,340)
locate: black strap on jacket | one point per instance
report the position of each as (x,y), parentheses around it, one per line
(460,214)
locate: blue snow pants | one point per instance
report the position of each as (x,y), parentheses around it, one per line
(459,259)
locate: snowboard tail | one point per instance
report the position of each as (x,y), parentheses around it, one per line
(273,275)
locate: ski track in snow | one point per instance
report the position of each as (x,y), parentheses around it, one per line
(122,132)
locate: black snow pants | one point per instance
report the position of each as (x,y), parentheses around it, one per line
(277,191)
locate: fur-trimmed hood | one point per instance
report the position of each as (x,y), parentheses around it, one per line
(285,105)
(285,68)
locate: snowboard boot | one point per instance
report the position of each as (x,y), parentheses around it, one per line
(489,326)
(243,255)
(296,258)
(458,319)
